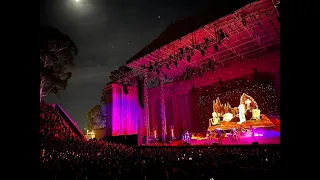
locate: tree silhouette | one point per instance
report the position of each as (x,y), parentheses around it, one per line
(95,120)
(103,104)
(57,53)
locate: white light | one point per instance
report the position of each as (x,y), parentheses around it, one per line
(242,117)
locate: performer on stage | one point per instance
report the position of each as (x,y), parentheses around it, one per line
(151,138)
(234,135)
(187,136)
(252,133)
(240,132)
(219,136)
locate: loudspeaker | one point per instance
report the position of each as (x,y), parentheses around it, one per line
(188,144)
(255,143)
(214,144)
(144,140)
(131,140)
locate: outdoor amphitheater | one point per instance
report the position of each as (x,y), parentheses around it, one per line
(194,78)
(202,100)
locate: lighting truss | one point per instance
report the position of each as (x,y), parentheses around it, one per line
(250,30)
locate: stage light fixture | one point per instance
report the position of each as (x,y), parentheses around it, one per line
(181,51)
(168,67)
(176,63)
(202,52)
(215,47)
(188,58)
(221,34)
(206,40)
(210,63)
(150,67)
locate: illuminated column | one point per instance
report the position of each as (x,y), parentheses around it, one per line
(163,112)
(120,99)
(146,106)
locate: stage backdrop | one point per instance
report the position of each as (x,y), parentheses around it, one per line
(181,113)
(262,91)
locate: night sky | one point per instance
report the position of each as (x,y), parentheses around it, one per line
(107,34)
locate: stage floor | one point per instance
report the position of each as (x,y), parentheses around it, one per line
(265,122)
(243,141)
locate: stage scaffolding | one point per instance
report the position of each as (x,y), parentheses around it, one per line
(249,32)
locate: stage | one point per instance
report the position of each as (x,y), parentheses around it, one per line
(215,78)
(270,137)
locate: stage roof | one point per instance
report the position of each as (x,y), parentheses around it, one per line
(205,42)
(190,24)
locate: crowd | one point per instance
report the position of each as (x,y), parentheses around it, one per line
(65,156)
(53,126)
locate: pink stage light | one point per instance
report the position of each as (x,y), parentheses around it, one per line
(258,134)
(255,134)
